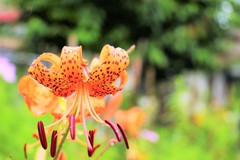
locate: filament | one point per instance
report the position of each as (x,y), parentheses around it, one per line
(65,114)
(91,109)
(84,125)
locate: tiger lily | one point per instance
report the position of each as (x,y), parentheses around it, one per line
(71,91)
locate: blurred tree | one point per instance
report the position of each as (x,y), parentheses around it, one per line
(172,35)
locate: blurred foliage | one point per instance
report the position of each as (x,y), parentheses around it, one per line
(204,133)
(171,35)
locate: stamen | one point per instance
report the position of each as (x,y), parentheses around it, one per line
(65,114)
(33,144)
(72,126)
(90,152)
(91,139)
(42,135)
(84,125)
(80,142)
(53,143)
(115,129)
(124,136)
(25,151)
(91,109)
(80,92)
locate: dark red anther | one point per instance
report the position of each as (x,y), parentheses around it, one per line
(90,152)
(91,139)
(53,143)
(25,151)
(42,135)
(115,129)
(124,136)
(72,124)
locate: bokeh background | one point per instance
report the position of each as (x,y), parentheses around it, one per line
(184,73)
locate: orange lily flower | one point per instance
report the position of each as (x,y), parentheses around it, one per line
(131,120)
(38,98)
(71,91)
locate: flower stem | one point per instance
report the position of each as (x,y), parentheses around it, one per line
(61,144)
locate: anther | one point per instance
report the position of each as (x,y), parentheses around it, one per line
(91,139)
(42,135)
(115,129)
(72,126)
(25,151)
(53,143)
(91,151)
(124,136)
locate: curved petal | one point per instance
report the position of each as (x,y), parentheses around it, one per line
(73,66)
(103,74)
(50,77)
(38,98)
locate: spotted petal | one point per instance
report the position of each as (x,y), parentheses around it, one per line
(73,66)
(49,77)
(38,98)
(104,73)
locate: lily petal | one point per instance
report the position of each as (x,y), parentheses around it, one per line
(72,64)
(50,77)
(104,73)
(38,98)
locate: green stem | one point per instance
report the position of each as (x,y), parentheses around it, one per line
(61,144)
